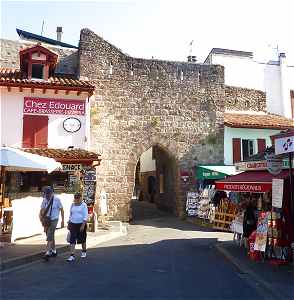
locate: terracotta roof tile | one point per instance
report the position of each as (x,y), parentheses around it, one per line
(267,121)
(65,155)
(12,76)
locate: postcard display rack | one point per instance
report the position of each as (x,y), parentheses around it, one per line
(225,213)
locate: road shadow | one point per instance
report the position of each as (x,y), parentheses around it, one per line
(167,269)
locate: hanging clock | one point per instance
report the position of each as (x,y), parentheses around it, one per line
(72,125)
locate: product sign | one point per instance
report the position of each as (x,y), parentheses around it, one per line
(274,165)
(261,232)
(191,204)
(277,192)
(71,167)
(89,181)
(284,145)
(259,165)
(51,106)
(254,187)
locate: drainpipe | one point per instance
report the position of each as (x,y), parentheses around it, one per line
(285,91)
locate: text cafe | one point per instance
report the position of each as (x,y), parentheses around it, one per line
(53,106)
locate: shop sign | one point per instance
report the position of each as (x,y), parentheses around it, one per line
(89,180)
(192,203)
(274,165)
(261,232)
(203,173)
(90,175)
(244,187)
(284,145)
(184,176)
(277,192)
(51,106)
(259,165)
(71,167)
(253,165)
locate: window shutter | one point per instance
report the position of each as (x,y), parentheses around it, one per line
(35,131)
(28,132)
(261,145)
(41,132)
(236,150)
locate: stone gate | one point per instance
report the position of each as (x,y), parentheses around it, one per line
(140,103)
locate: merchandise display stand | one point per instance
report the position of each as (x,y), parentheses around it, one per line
(224,215)
(278,249)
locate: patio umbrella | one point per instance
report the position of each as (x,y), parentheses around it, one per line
(12,159)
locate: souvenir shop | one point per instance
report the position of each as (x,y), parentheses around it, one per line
(199,202)
(256,206)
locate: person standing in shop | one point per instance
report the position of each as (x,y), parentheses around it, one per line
(77,226)
(249,222)
(50,208)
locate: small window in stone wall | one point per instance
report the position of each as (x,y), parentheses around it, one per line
(182,75)
(110,69)
(132,70)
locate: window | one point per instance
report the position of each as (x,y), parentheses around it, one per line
(35,131)
(247,148)
(38,71)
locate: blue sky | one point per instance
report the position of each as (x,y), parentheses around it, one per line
(161,28)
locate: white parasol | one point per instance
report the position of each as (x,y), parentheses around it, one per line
(17,160)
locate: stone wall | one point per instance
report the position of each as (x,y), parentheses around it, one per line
(141,103)
(9,58)
(243,99)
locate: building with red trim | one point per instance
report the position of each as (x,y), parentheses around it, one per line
(42,106)
(249,133)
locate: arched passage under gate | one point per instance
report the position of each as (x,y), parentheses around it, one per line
(155,183)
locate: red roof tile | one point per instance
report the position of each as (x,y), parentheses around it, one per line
(267,121)
(12,77)
(63,155)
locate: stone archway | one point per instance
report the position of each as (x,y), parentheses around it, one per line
(167,172)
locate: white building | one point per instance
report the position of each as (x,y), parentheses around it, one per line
(246,134)
(275,78)
(40,109)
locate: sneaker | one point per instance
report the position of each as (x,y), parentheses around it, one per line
(71,258)
(53,253)
(84,254)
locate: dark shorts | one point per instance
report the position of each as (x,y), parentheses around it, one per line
(76,236)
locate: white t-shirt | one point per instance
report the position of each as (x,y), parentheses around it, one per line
(78,213)
(56,206)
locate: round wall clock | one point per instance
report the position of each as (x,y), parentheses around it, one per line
(72,125)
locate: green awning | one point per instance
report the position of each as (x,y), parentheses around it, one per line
(215,172)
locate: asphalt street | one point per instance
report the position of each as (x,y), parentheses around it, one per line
(160,258)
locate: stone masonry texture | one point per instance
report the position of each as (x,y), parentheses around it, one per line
(242,99)
(140,103)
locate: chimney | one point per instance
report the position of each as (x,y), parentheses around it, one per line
(192,58)
(59,33)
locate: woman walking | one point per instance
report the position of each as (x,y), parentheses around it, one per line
(77,226)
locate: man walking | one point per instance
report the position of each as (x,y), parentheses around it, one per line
(50,207)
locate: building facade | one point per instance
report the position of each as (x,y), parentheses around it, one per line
(274,77)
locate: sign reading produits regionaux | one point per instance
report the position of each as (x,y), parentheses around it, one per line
(51,106)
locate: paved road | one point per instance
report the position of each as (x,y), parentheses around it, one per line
(161,258)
